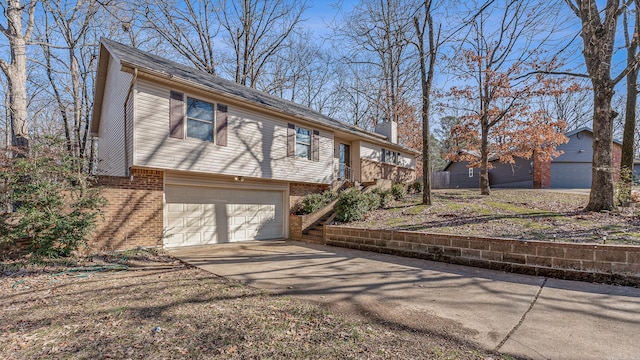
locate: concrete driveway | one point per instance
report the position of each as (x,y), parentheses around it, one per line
(515,314)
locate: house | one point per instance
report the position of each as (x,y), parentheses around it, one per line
(572,169)
(188,158)
(501,175)
(636,171)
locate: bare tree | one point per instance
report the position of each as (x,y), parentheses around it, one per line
(257,31)
(378,34)
(302,72)
(499,61)
(598,33)
(15,68)
(424,27)
(631,44)
(354,93)
(574,107)
(189,26)
(69,57)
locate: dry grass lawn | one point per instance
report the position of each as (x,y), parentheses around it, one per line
(514,214)
(143,305)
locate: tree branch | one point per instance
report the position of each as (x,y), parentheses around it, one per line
(547,72)
(4,67)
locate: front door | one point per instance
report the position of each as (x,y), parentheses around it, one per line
(345,162)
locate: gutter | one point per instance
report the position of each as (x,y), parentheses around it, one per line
(126,135)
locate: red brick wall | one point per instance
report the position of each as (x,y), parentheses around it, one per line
(541,173)
(373,170)
(133,215)
(614,264)
(617,160)
(299,190)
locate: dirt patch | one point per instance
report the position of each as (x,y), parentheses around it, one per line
(149,305)
(513,214)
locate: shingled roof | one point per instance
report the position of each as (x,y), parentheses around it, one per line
(156,65)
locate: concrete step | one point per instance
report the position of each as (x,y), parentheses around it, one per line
(315,232)
(314,239)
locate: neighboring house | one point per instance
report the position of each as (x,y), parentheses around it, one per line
(636,171)
(194,159)
(517,175)
(572,169)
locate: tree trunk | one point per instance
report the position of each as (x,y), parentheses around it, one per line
(629,128)
(426,80)
(18,94)
(626,161)
(601,196)
(16,73)
(484,162)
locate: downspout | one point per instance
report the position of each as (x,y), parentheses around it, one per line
(126,135)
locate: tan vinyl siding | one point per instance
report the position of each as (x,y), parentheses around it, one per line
(256,143)
(111,151)
(372,152)
(130,124)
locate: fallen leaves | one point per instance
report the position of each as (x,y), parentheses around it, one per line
(182,312)
(515,214)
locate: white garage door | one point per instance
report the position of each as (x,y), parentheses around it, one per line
(205,215)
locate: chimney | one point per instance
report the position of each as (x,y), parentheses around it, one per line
(388,129)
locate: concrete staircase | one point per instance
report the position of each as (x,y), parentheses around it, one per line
(314,232)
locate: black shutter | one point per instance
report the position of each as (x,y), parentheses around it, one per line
(291,140)
(221,125)
(176,115)
(315,146)
(382,156)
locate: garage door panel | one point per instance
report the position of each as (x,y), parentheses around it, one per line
(203,215)
(174,208)
(571,175)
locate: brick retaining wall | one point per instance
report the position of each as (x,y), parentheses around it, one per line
(612,264)
(133,215)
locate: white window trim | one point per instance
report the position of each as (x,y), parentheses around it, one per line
(308,157)
(186,118)
(470,172)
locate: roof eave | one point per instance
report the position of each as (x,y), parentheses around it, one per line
(98,94)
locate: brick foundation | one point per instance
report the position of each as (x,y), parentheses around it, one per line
(299,190)
(373,170)
(612,264)
(133,215)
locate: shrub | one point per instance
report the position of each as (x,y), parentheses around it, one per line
(399,191)
(373,200)
(352,205)
(55,206)
(623,187)
(416,187)
(384,198)
(314,202)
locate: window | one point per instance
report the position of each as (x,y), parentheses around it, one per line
(303,143)
(199,119)
(470,172)
(390,157)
